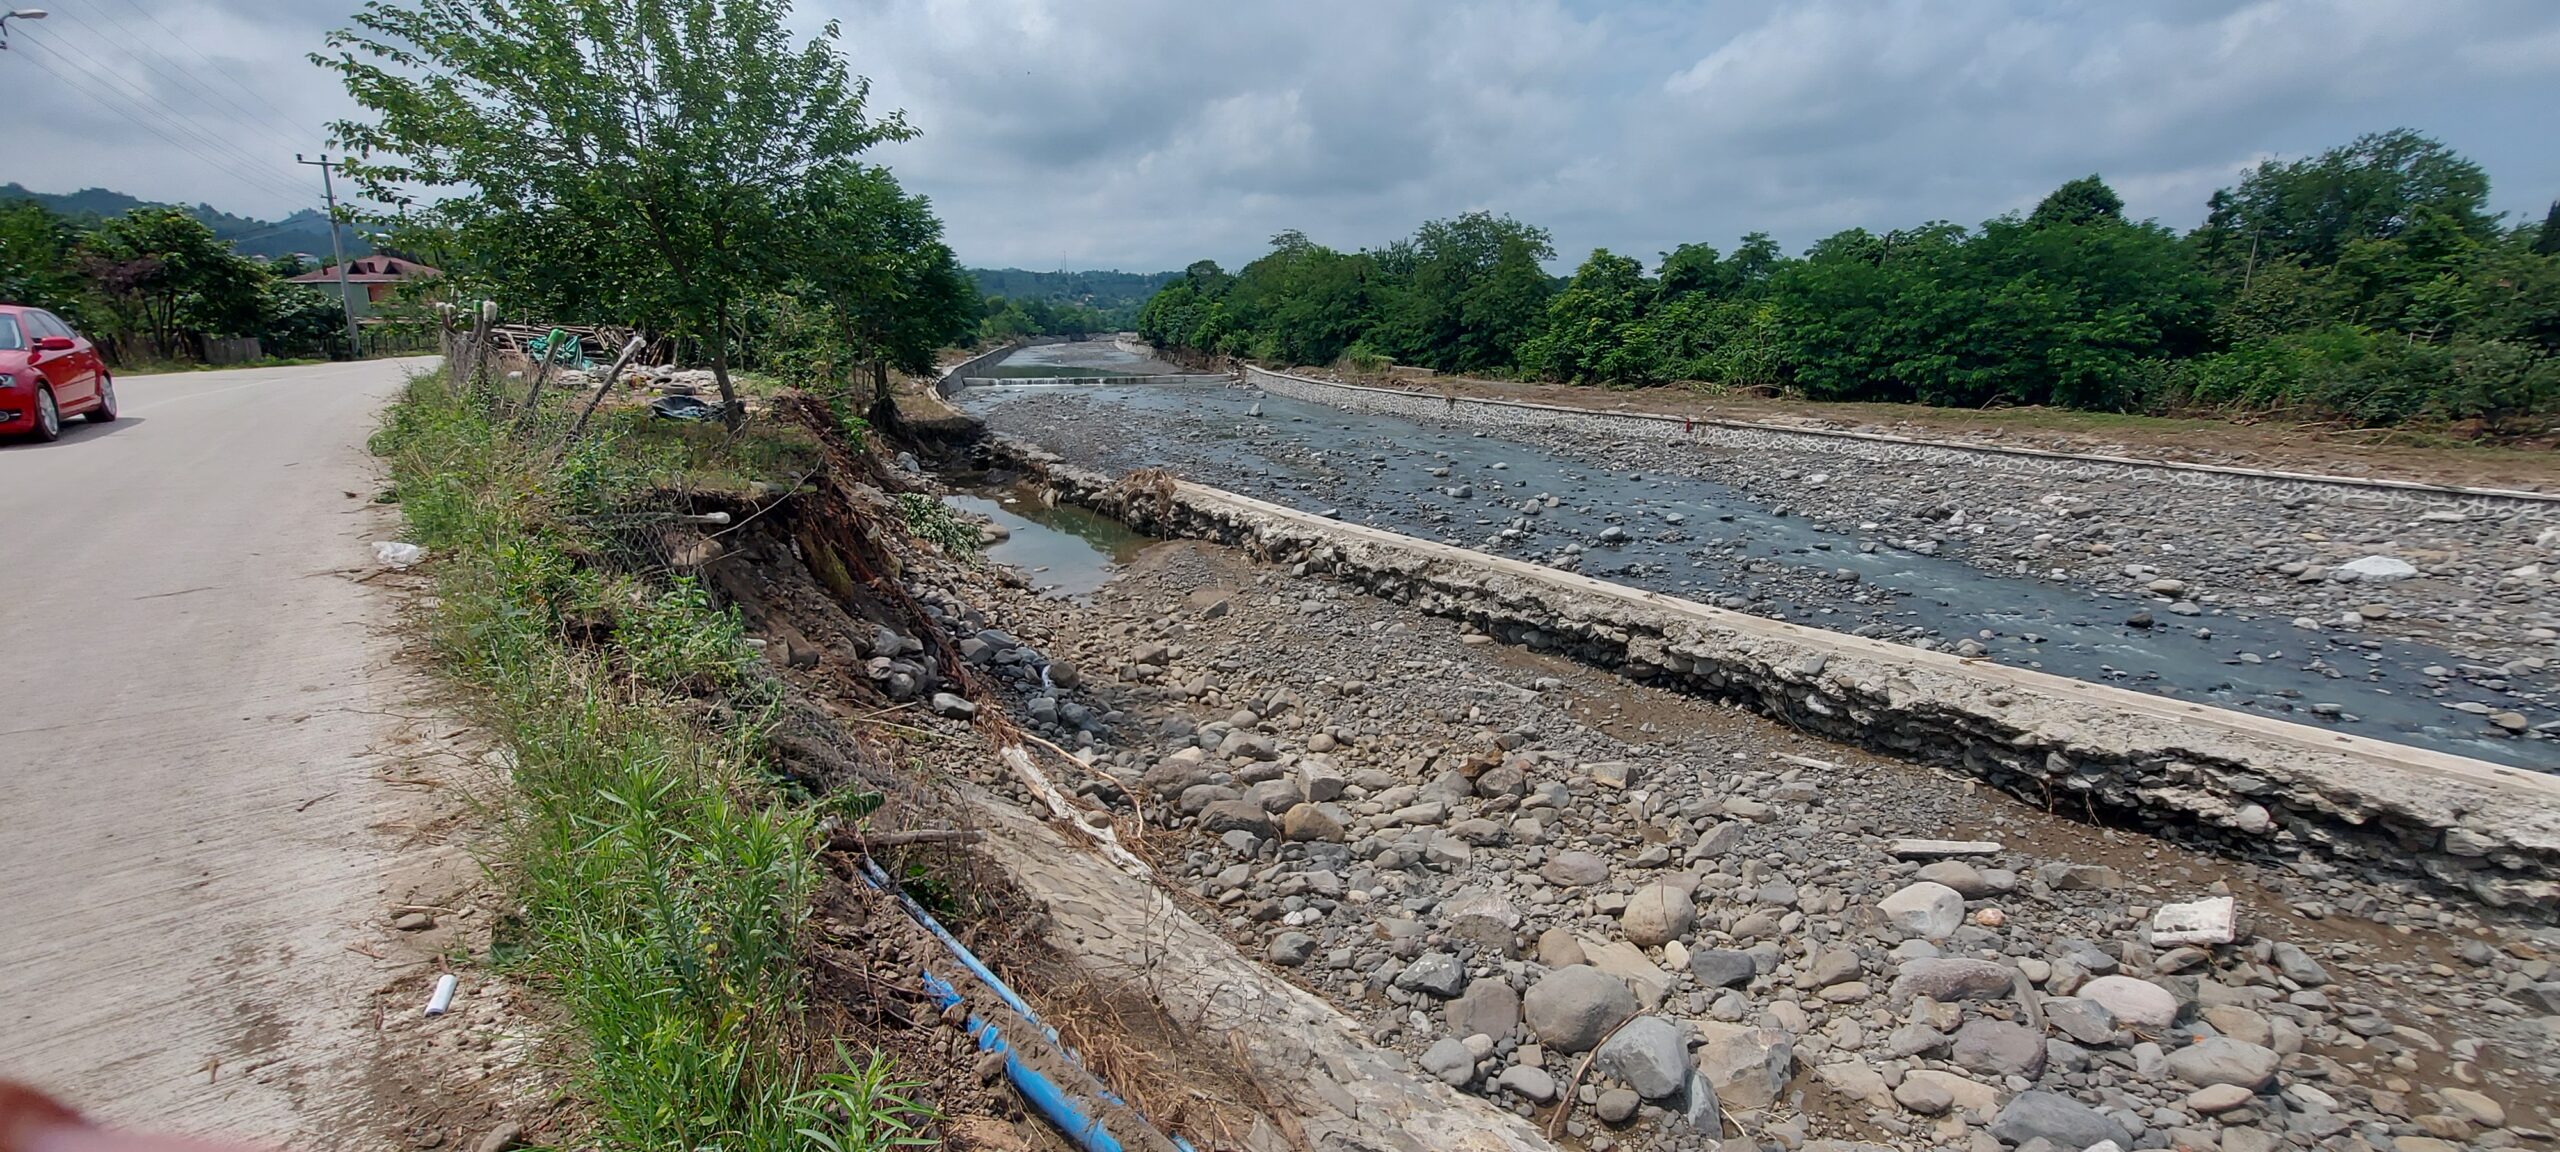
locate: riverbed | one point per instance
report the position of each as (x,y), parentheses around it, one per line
(1679,530)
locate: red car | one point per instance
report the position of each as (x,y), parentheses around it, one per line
(47,372)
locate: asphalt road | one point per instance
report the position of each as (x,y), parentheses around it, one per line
(201,815)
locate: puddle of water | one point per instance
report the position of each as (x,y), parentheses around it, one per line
(1068,551)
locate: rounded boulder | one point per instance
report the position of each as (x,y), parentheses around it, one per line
(2136,1003)
(1571,1008)
(1657,914)
(1926,909)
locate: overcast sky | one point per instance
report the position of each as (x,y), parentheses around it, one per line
(1143,134)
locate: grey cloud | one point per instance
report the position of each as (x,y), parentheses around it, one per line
(1146,133)
(1640,126)
(182,100)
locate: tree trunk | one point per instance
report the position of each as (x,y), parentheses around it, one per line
(732,413)
(884,407)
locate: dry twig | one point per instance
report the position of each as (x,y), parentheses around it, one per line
(1565,1100)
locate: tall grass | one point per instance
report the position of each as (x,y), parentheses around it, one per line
(661,880)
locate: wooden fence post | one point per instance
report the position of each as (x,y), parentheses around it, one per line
(480,343)
(541,372)
(629,350)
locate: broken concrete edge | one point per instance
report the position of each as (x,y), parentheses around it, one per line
(1306,1056)
(2243,784)
(1419,404)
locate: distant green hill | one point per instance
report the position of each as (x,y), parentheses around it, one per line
(306,232)
(1101,291)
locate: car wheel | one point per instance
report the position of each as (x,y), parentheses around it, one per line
(48,417)
(106,409)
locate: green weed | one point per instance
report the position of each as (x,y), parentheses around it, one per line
(677,642)
(661,879)
(931,521)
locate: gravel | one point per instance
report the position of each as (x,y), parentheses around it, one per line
(1474,856)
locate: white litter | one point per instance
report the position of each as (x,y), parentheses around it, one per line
(443,997)
(2208,921)
(394,554)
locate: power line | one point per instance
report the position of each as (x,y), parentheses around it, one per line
(127,112)
(181,76)
(137,99)
(145,98)
(218,69)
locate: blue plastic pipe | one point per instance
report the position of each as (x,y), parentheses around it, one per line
(968,960)
(1060,1108)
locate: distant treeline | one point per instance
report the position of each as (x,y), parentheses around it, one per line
(1024,303)
(2368,283)
(304,232)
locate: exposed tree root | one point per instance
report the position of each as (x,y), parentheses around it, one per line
(841,534)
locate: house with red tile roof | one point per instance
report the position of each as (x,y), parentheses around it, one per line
(371,280)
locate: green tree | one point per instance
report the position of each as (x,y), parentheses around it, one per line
(2368,282)
(1758,258)
(1845,312)
(1595,331)
(39,261)
(2053,314)
(1687,269)
(1188,312)
(2086,200)
(2019,313)
(2373,189)
(296,320)
(1696,269)
(1302,303)
(629,160)
(873,256)
(1472,291)
(165,279)
(1735,341)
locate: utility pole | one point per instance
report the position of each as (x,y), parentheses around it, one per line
(346,299)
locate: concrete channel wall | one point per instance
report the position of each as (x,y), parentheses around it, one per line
(1883,449)
(2246,784)
(953,378)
